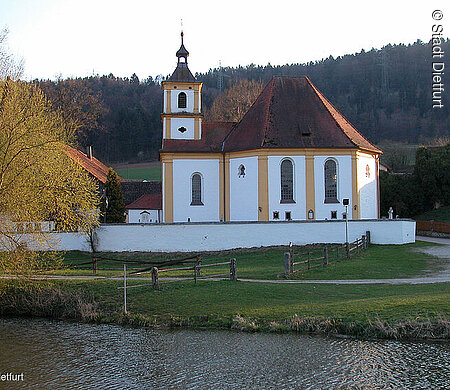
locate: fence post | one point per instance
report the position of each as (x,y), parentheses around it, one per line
(195,273)
(368,237)
(233,274)
(325,255)
(431,224)
(364,246)
(347,250)
(199,262)
(287,263)
(155,279)
(94,265)
(309,255)
(124,288)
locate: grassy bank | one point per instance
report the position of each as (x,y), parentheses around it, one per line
(383,311)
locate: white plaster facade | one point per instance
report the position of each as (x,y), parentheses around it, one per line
(186,123)
(183,210)
(144,216)
(174,100)
(297,209)
(244,189)
(344,186)
(367,186)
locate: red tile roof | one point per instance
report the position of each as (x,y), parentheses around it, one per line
(291,113)
(147,202)
(95,167)
(213,134)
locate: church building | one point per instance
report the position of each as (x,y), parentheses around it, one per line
(293,156)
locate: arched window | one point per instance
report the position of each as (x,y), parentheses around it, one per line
(331,182)
(182,99)
(196,198)
(287,181)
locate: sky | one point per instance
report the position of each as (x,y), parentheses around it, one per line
(77,38)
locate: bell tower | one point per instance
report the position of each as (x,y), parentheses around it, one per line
(182,117)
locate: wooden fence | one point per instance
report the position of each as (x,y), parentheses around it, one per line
(433,226)
(196,272)
(137,264)
(321,257)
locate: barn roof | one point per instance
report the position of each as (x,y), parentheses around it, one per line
(133,190)
(94,166)
(147,202)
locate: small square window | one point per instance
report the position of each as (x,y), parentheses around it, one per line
(334,215)
(288,216)
(276,215)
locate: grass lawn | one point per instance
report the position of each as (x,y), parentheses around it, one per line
(393,311)
(220,301)
(440,215)
(379,261)
(141,173)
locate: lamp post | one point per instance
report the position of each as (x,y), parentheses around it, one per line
(345,202)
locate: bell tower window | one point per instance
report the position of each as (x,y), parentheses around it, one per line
(182,100)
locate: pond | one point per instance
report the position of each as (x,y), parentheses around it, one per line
(65,355)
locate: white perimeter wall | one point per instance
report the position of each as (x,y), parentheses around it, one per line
(221,236)
(182,174)
(297,209)
(344,190)
(367,187)
(244,190)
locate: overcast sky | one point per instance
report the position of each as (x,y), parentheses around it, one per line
(85,37)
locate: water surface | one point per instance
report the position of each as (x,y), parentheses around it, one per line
(64,355)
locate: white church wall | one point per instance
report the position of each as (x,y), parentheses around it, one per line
(221,236)
(183,170)
(187,123)
(136,216)
(367,185)
(174,100)
(163,171)
(344,186)
(297,209)
(244,190)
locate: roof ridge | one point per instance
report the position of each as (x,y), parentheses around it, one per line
(236,124)
(326,104)
(271,85)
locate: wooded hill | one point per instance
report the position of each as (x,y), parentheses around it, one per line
(386,94)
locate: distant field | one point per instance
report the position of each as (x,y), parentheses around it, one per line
(143,171)
(398,155)
(439,215)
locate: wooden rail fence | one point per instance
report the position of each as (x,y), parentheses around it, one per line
(96,260)
(433,226)
(321,257)
(196,274)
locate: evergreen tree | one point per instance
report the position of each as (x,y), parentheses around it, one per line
(113,208)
